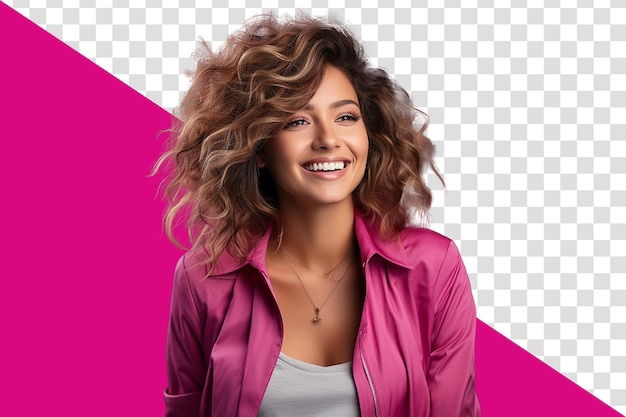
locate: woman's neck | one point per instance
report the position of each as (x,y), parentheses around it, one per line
(318,237)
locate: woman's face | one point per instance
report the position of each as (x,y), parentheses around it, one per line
(319,156)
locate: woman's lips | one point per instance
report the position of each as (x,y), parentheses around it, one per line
(326,166)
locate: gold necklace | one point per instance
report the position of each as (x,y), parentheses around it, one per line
(316,308)
(333,269)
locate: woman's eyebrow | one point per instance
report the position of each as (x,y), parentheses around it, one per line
(334,104)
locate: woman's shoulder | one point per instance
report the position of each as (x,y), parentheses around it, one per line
(195,266)
(423,246)
(419,239)
(414,245)
(197,284)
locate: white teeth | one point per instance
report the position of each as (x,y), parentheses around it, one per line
(325,166)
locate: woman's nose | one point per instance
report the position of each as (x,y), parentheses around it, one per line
(325,137)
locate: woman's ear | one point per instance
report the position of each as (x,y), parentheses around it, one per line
(260,160)
(259,151)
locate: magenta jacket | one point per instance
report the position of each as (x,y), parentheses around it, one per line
(414,354)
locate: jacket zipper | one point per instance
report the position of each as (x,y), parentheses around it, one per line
(368,376)
(367,372)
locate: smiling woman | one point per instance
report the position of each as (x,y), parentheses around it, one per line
(319,157)
(306,292)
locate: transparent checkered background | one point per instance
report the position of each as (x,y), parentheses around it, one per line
(527,102)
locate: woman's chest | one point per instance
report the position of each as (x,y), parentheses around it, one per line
(388,340)
(320,323)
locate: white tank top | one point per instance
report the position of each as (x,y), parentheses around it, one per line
(306,390)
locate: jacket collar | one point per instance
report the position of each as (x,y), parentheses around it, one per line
(367,234)
(371,243)
(227,263)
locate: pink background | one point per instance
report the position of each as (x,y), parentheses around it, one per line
(86,271)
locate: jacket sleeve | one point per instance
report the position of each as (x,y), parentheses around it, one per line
(451,374)
(185,365)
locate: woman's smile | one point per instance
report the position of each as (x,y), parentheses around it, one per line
(325,166)
(319,156)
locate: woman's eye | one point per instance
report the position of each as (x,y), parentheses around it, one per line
(295,123)
(348,118)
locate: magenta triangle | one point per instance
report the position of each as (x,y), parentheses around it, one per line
(511,382)
(87,271)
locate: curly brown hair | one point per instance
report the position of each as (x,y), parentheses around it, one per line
(241,96)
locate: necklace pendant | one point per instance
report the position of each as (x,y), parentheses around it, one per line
(317,315)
